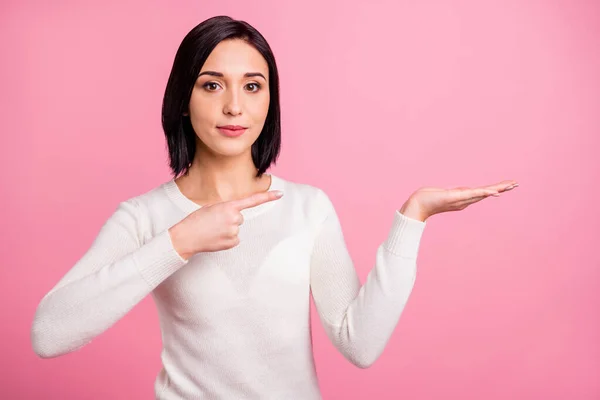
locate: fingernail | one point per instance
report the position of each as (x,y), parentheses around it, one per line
(278,193)
(496,195)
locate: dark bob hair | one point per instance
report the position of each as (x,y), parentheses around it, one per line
(191,55)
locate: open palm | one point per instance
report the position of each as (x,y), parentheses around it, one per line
(428,201)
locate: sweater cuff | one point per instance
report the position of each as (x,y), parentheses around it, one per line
(158,259)
(405,236)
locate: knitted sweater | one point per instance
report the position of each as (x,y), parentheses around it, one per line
(235,323)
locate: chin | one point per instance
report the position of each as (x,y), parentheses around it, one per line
(231,149)
(228,147)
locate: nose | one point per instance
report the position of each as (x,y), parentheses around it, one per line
(232,104)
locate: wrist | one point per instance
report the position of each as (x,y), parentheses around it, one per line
(178,238)
(411,209)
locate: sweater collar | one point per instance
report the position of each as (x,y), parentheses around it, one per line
(189,206)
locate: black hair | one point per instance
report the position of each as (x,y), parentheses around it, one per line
(191,55)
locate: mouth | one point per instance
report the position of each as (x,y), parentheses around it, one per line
(232,130)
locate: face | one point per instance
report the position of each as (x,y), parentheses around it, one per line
(232,89)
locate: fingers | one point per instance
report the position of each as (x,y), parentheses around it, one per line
(257,199)
(503,186)
(238,218)
(493,190)
(462,197)
(468,194)
(470,201)
(465,193)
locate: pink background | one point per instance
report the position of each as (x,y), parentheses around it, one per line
(377,100)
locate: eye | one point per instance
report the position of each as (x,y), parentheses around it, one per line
(210,84)
(256,85)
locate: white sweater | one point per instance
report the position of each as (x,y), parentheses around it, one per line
(235,323)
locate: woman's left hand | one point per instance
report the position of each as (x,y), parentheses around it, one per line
(428,201)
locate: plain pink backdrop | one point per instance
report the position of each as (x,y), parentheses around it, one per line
(377,100)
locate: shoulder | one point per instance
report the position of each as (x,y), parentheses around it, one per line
(305,190)
(138,210)
(144,200)
(314,200)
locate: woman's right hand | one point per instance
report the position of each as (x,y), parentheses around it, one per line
(215,227)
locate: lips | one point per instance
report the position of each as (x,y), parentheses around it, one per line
(232,127)
(232,130)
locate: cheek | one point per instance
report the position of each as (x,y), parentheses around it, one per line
(202,110)
(261,107)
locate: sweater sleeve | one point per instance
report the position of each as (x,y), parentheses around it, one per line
(359,320)
(113,275)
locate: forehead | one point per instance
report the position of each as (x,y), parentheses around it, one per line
(235,57)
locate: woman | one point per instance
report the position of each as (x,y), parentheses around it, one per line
(229,260)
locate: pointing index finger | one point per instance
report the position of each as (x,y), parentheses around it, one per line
(257,199)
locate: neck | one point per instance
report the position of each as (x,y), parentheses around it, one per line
(216,179)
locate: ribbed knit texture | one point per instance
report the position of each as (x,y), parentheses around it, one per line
(235,324)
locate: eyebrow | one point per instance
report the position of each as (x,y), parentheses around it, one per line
(246,75)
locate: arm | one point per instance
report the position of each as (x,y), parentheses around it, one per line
(115,274)
(359,321)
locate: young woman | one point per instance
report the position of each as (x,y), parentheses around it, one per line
(229,260)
